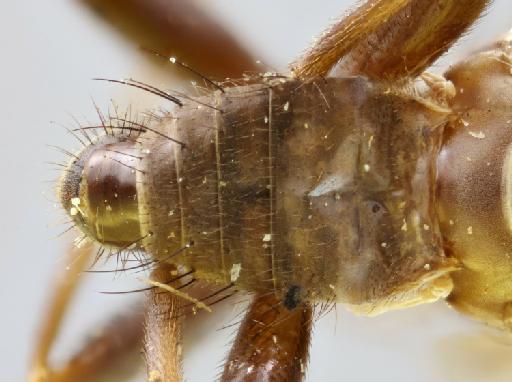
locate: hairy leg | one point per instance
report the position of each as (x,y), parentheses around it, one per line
(390,39)
(162,343)
(114,352)
(272,343)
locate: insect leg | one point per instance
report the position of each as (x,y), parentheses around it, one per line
(64,290)
(162,344)
(178,28)
(113,355)
(117,340)
(386,39)
(272,343)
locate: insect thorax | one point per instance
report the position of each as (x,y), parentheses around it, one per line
(327,187)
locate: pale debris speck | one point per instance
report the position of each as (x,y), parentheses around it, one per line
(75,202)
(470,230)
(465,123)
(274,338)
(267,237)
(451,222)
(154,376)
(404,226)
(265,120)
(250,369)
(286,106)
(172,60)
(366,167)
(384,245)
(426,227)
(235,272)
(370,141)
(427,267)
(479,135)
(306,125)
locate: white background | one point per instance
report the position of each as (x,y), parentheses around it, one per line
(49,52)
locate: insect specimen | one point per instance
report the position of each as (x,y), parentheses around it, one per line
(357,179)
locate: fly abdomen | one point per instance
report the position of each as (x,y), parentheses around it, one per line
(324,187)
(316,191)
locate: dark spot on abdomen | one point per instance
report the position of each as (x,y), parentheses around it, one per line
(292,297)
